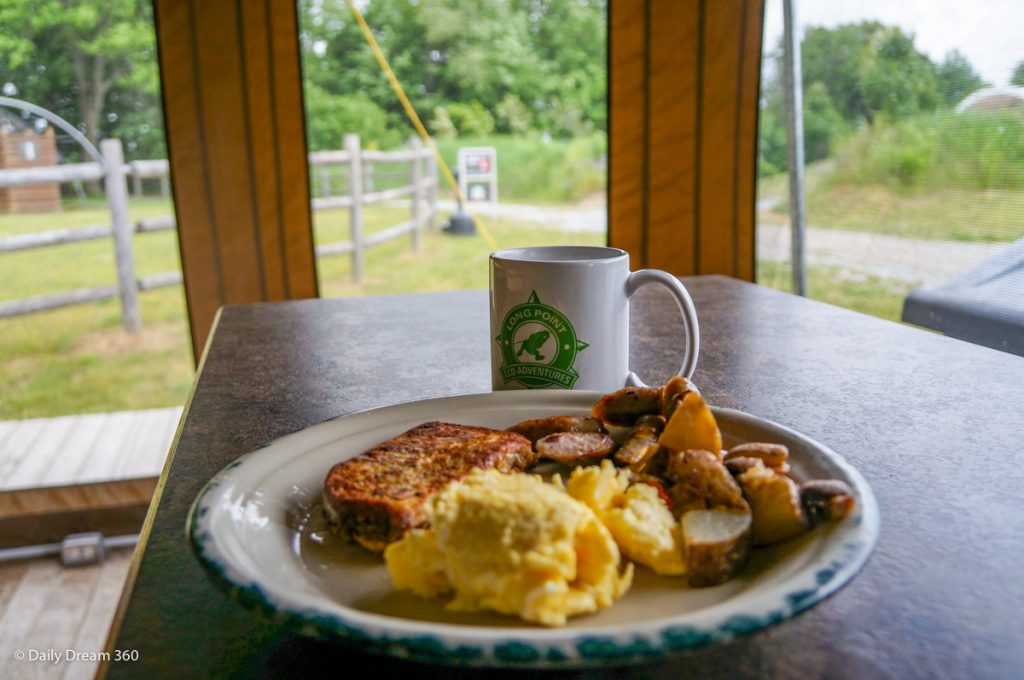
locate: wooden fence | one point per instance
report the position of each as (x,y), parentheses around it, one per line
(422,185)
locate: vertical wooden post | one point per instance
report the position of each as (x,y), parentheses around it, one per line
(117,201)
(136,185)
(355,190)
(325,179)
(432,174)
(417,171)
(368,170)
(165,185)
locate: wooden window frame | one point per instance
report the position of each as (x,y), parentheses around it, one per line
(683,102)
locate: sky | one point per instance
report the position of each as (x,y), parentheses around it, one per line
(990,33)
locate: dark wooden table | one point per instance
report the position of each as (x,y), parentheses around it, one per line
(936,426)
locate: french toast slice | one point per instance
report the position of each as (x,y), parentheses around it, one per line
(377,496)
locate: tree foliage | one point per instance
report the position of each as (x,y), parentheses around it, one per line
(854,75)
(469,66)
(1018,74)
(93,64)
(956,78)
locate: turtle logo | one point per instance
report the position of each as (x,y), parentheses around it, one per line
(538,346)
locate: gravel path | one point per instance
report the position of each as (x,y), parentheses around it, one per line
(913,260)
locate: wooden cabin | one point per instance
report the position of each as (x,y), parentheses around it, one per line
(21,146)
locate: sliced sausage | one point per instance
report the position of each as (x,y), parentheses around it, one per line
(575,448)
(542,427)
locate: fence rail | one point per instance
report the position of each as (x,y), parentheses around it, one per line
(422,187)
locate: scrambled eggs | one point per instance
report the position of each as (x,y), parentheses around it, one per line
(512,544)
(640,522)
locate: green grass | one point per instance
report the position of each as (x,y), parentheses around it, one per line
(79,360)
(530,169)
(874,295)
(444,263)
(946,214)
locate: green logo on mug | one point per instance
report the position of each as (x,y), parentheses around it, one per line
(538,346)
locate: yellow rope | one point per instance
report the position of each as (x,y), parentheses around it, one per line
(414,117)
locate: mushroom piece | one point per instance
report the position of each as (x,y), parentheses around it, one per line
(641,443)
(826,499)
(672,395)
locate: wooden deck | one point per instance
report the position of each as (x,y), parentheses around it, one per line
(92,472)
(59,476)
(72,450)
(46,607)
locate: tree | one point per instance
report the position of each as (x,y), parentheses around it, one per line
(853,73)
(833,57)
(895,78)
(530,64)
(1018,74)
(75,58)
(956,78)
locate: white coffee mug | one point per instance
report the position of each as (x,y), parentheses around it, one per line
(560,318)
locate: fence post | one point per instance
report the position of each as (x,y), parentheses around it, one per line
(325,179)
(368,181)
(432,191)
(165,185)
(355,190)
(417,172)
(117,201)
(136,185)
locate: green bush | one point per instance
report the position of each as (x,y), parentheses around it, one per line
(441,124)
(330,116)
(972,150)
(471,120)
(537,169)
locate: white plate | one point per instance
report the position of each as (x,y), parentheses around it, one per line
(257,527)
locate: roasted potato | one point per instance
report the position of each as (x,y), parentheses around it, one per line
(716,544)
(775,503)
(692,426)
(683,500)
(624,407)
(705,476)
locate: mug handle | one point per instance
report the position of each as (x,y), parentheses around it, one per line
(686,309)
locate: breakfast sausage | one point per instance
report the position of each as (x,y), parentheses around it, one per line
(773,455)
(542,427)
(575,448)
(628,404)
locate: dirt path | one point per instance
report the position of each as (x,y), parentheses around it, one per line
(913,260)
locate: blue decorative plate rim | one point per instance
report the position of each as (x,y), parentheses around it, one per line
(453,645)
